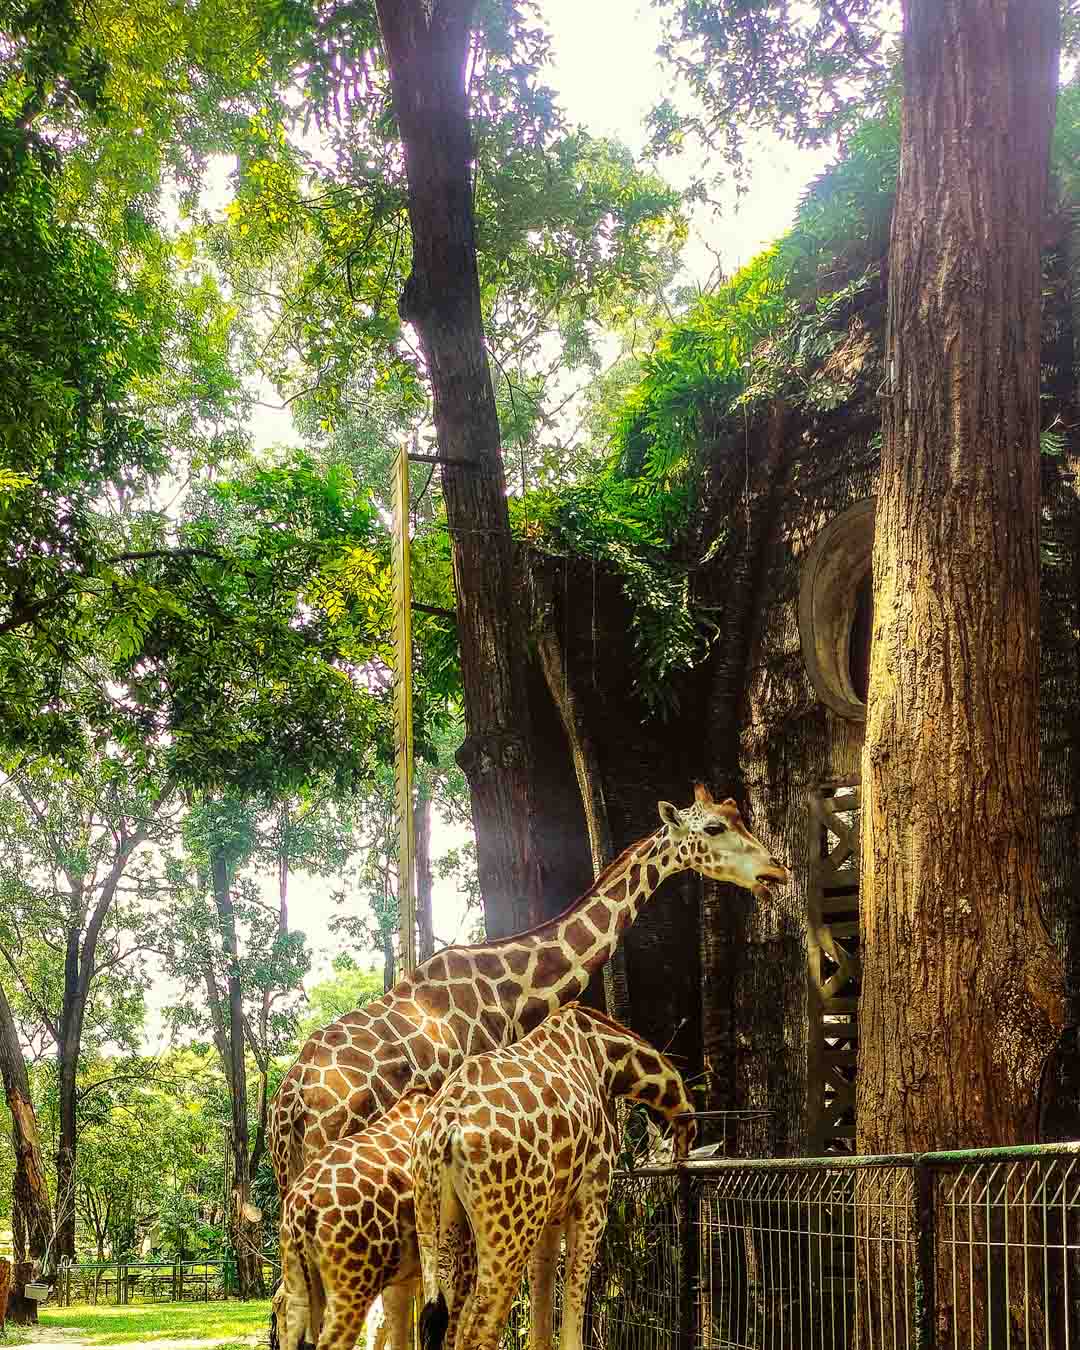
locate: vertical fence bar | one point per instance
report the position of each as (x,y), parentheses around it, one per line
(688,1264)
(925,1257)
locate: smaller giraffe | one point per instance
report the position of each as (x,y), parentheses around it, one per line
(516,1149)
(349,1234)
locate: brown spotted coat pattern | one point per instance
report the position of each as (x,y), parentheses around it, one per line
(518,1148)
(467,1000)
(349,1234)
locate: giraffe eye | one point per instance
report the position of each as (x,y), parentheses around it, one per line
(715,828)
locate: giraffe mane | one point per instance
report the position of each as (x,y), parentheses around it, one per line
(548,924)
(614,1025)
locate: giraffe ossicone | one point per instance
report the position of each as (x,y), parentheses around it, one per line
(515,1151)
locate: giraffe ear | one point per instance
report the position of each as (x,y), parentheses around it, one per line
(672,817)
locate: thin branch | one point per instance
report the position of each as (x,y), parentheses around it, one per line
(38,1006)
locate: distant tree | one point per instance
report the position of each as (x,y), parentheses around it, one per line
(75,878)
(31,1212)
(228,948)
(144,1134)
(349,987)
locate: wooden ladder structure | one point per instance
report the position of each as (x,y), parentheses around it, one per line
(834,973)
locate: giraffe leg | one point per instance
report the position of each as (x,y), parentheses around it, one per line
(297,1305)
(397,1315)
(343,1322)
(501,1258)
(486,1310)
(462,1293)
(542,1264)
(585,1228)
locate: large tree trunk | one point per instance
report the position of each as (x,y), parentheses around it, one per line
(246,1231)
(67,1055)
(961,994)
(427,47)
(587,771)
(955,954)
(31,1216)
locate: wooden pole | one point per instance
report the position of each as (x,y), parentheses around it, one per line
(404,759)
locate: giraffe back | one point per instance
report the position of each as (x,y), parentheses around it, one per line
(461,1002)
(526,1127)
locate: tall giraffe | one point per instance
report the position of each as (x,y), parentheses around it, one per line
(466,1000)
(516,1149)
(348,1234)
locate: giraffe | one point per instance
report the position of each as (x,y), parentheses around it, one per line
(465,1000)
(516,1149)
(349,1234)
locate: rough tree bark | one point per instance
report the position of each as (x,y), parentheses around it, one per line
(752,954)
(427,46)
(961,995)
(31,1215)
(586,770)
(961,987)
(246,1239)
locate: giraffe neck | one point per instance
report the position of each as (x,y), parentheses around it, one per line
(562,954)
(591,928)
(627,1065)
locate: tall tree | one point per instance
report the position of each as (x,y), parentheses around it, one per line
(428,50)
(70,930)
(955,953)
(952,932)
(31,1214)
(211,905)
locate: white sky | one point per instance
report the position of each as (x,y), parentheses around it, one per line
(607,76)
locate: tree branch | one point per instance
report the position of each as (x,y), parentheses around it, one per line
(38,1006)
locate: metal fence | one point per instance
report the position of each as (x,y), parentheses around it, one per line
(124,1282)
(962,1251)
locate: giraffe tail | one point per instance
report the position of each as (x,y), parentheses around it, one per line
(453,1228)
(434,1319)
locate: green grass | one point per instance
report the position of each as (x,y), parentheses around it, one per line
(228,1321)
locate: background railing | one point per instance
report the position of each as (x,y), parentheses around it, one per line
(124,1282)
(945,1251)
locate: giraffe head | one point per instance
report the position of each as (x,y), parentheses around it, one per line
(711,838)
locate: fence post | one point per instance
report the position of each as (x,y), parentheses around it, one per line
(925,1256)
(688,1261)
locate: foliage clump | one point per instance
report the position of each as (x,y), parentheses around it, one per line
(773,331)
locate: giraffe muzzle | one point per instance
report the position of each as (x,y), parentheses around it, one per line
(769,878)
